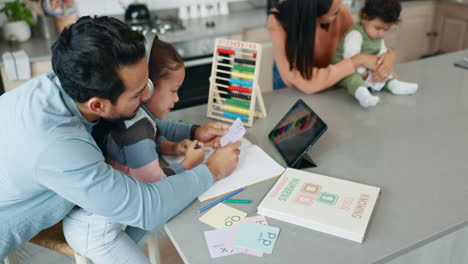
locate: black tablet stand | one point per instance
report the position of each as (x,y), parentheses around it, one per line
(303,162)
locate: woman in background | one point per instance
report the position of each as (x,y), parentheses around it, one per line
(305,35)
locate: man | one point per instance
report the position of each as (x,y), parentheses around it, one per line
(49,161)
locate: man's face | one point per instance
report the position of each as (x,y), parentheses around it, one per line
(134,78)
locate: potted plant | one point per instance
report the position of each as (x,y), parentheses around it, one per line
(19,20)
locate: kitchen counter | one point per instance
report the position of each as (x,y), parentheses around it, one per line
(413,147)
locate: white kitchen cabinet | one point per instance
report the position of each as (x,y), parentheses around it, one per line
(451,26)
(414,33)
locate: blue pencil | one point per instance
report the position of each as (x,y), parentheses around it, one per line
(201,210)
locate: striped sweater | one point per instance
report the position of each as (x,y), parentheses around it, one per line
(132,146)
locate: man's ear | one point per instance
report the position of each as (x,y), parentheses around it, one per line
(98,106)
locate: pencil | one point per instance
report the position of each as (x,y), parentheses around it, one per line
(236,201)
(201,210)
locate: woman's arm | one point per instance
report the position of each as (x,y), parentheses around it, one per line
(322,78)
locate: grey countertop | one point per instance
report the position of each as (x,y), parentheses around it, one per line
(413,147)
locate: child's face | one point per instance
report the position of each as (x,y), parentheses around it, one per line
(165,93)
(375,28)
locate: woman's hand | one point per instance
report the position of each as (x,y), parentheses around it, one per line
(365,60)
(386,63)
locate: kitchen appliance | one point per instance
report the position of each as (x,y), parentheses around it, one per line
(198,58)
(137,13)
(196,53)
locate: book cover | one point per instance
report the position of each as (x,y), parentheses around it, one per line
(334,206)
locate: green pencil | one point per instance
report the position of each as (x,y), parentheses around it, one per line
(236,201)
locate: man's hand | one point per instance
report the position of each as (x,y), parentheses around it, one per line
(210,133)
(386,62)
(224,160)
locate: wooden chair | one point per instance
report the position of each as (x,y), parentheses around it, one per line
(53,239)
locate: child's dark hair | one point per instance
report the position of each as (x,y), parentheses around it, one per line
(163,59)
(387,10)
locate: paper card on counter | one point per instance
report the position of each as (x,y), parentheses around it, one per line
(257,237)
(215,239)
(221,216)
(260,219)
(236,132)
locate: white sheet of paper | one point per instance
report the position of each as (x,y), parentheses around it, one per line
(215,239)
(236,132)
(254,166)
(221,216)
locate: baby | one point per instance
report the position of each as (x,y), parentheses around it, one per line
(377,17)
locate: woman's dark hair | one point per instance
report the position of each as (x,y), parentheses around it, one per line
(163,59)
(299,18)
(387,10)
(88,53)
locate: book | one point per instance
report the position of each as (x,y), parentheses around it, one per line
(330,205)
(254,166)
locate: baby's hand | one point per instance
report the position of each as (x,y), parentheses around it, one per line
(180,148)
(365,74)
(194,155)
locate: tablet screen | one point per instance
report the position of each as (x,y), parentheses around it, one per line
(297,131)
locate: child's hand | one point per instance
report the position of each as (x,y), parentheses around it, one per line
(364,75)
(180,148)
(194,155)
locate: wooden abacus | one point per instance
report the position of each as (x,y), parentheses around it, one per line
(234,88)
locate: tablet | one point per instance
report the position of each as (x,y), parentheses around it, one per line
(296,132)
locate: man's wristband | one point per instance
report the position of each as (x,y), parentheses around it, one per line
(192,131)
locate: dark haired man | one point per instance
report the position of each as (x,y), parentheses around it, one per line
(49,161)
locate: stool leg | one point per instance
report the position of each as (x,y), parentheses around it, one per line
(81,260)
(153,248)
(11,259)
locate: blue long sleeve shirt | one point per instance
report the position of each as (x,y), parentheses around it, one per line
(49,163)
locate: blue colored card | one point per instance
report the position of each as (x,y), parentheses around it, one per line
(257,237)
